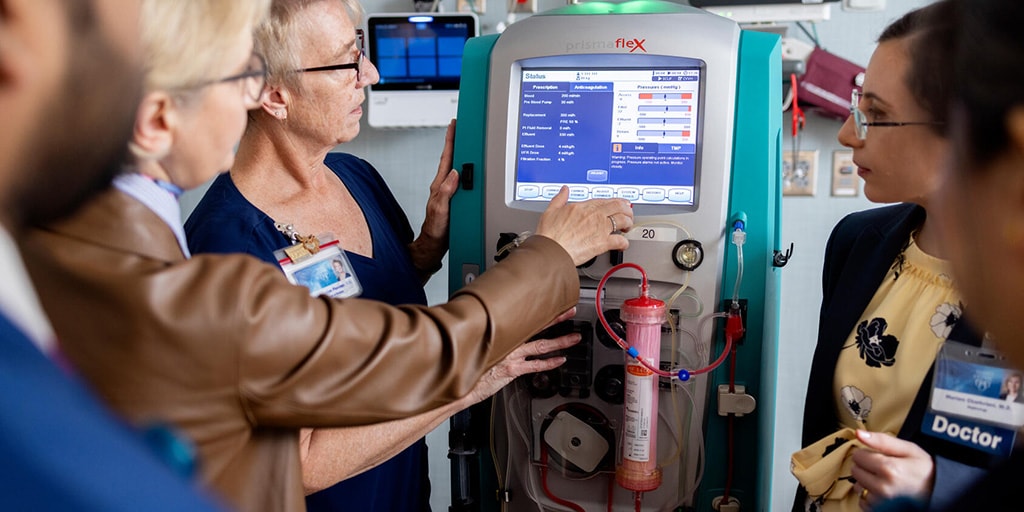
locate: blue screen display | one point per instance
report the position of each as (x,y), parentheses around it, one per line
(418,52)
(630,133)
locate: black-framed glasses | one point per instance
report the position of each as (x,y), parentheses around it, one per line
(253,78)
(351,65)
(861,123)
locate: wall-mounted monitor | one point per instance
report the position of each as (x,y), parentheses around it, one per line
(609,126)
(419,58)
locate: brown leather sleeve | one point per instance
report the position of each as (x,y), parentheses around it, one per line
(347,362)
(220,336)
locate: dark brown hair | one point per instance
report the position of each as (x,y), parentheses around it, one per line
(928,76)
(988,73)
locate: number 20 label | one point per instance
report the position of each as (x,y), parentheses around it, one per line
(651,234)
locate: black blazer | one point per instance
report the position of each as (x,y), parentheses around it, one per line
(999,490)
(859,254)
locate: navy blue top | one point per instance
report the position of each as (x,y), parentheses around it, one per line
(224,221)
(60,449)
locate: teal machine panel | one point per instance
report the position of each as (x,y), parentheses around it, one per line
(679,111)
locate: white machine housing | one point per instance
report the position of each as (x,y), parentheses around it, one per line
(598,42)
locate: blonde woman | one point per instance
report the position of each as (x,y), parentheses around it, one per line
(287,173)
(223,347)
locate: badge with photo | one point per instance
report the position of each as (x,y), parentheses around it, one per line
(325,271)
(976,399)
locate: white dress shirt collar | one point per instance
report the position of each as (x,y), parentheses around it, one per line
(18,299)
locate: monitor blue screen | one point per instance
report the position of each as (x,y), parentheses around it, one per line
(616,132)
(418,52)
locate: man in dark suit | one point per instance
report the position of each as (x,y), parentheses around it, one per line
(69,76)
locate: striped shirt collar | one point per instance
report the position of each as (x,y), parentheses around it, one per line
(158,199)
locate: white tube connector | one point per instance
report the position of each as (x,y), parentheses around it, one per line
(737,403)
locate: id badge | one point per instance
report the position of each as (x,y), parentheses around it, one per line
(977,399)
(325,272)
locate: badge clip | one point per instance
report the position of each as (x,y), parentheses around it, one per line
(307,246)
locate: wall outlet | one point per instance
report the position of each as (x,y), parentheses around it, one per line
(523,6)
(845,182)
(473,6)
(798,175)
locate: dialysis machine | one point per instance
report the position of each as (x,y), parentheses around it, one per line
(668,401)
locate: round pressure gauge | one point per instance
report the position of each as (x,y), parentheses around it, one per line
(688,254)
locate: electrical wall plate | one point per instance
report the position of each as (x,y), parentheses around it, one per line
(798,175)
(845,182)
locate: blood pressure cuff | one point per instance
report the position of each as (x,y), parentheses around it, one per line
(828,82)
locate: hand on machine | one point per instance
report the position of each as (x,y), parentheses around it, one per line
(588,228)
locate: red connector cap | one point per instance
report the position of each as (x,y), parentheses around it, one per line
(734,325)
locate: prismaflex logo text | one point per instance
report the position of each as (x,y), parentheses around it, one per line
(632,44)
(622,43)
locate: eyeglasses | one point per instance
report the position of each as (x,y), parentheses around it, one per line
(351,65)
(861,123)
(253,79)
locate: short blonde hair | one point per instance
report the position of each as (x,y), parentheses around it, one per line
(184,41)
(1004,389)
(278,38)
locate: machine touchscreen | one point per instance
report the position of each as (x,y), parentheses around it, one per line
(632,133)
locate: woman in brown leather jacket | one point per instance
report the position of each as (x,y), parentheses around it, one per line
(224,347)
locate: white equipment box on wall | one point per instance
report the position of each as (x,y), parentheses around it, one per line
(419,58)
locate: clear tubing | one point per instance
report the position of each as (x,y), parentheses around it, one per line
(680,351)
(738,239)
(702,329)
(699,443)
(639,470)
(672,298)
(696,300)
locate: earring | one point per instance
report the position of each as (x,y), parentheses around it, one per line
(281,114)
